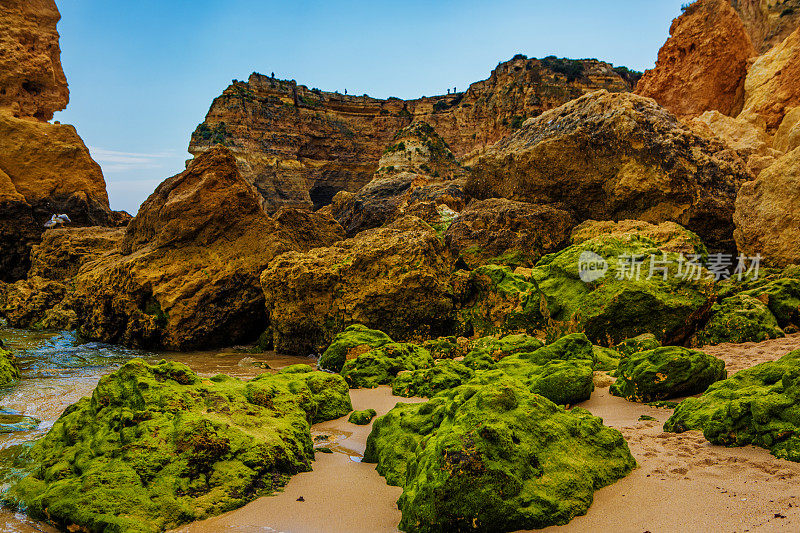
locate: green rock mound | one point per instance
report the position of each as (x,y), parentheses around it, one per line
(380,366)
(362,418)
(486,351)
(640,343)
(759,406)
(9,373)
(443,347)
(739,318)
(619,306)
(605,358)
(426,382)
(353,341)
(494,457)
(783,299)
(668,372)
(156,446)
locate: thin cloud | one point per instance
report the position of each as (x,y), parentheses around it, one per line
(117,161)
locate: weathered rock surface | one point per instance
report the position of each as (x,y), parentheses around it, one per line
(380,366)
(617,156)
(758,406)
(768,22)
(394,278)
(787,138)
(9,373)
(187,271)
(63,252)
(417,175)
(349,344)
(738,319)
(667,372)
(36,303)
(767,216)
(507,232)
(669,236)
(703,64)
(743,136)
(492,456)
(301,146)
(772,88)
(32,82)
(157,446)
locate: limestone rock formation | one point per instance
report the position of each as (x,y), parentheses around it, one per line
(703,64)
(611,156)
(767,217)
(187,271)
(394,278)
(300,146)
(768,22)
(417,175)
(787,138)
(32,82)
(63,251)
(503,231)
(671,237)
(772,89)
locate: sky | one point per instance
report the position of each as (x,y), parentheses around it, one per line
(143,74)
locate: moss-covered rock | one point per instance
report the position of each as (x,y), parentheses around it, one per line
(444,347)
(494,300)
(783,299)
(9,373)
(759,405)
(739,318)
(156,446)
(486,351)
(606,358)
(640,343)
(380,366)
(362,418)
(494,457)
(667,372)
(351,343)
(617,306)
(426,382)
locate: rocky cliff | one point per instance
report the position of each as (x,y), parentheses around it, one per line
(703,64)
(32,82)
(300,146)
(768,22)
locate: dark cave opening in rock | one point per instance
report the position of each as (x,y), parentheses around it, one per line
(322,195)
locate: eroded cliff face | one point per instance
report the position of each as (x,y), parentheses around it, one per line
(300,146)
(768,22)
(703,65)
(32,82)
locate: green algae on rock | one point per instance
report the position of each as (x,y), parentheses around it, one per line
(156,446)
(9,373)
(486,351)
(739,318)
(640,343)
(606,359)
(350,343)
(494,457)
(362,418)
(426,382)
(783,299)
(620,305)
(759,406)
(667,372)
(381,365)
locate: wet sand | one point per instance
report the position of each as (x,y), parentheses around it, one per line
(740,356)
(341,494)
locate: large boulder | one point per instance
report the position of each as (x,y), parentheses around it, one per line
(782,297)
(617,156)
(667,372)
(759,406)
(63,252)
(619,300)
(157,446)
(186,274)
(394,278)
(703,64)
(36,303)
(767,213)
(380,366)
(772,88)
(492,456)
(739,318)
(349,344)
(507,232)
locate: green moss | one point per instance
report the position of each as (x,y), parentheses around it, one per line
(157,446)
(668,372)
(486,351)
(646,418)
(426,382)
(759,406)
(640,343)
(494,457)
(353,340)
(739,318)
(9,373)
(605,358)
(362,418)
(783,299)
(380,366)
(443,347)
(610,309)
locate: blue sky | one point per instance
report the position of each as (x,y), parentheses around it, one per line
(143,74)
